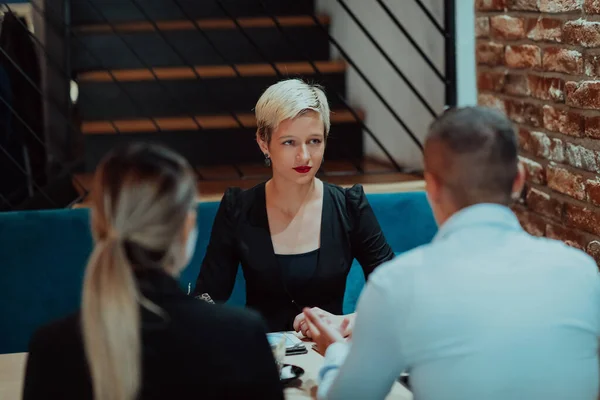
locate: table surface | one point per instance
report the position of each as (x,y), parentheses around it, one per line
(12,367)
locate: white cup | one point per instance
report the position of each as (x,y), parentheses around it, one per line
(278,350)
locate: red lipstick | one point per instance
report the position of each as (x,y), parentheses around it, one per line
(303,170)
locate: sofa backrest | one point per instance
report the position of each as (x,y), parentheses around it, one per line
(43,256)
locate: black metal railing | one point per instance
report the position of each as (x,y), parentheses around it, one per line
(30,192)
(21,145)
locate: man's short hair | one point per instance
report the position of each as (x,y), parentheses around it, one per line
(474,152)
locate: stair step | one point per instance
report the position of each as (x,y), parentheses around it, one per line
(204,24)
(208,72)
(178,92)
(221,141)
(371,168)
(96,47)
(213,180)
(259,171)
(372,183)
(95,11)
(198,123)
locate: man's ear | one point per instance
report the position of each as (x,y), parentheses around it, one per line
(433,187)
(519,181)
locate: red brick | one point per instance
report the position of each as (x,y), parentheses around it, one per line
(564,121)
(524,138)
(482,27)
(523,56)
(549,148)
(532,223)
(566,182)
(516,85)
(508,28)
(585,94)
(544,88)
(535,171)
(523,112)
(562,60)
(581,157)
(560,6)
(570,236)
(491,101)
(490,80)
(591,6)
(544,29)
(490,53)
(592,65)
(593,249)
(582,33)
(524,5)
(582,218)
(543,203)
(490,5)
(592,187)
(592,127)
(557,150)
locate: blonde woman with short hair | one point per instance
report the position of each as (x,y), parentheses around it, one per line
(294,235)
(138,335)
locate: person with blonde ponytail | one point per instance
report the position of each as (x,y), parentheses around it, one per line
(138,335)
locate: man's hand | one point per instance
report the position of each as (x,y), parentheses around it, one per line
(323,332)
(300,324)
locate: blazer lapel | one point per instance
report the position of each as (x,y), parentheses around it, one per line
(256,240)
(329,251)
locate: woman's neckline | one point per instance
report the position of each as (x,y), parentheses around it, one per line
(317,185)
(306,253)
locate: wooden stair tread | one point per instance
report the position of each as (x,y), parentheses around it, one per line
(204,24)
(200,122)
(218,71)
(329,168)
(213,189)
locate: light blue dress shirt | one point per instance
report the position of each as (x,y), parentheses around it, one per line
(484,312)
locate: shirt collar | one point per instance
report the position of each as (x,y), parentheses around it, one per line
(484,214)
(153,281)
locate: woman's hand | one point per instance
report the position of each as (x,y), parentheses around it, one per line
(345,328)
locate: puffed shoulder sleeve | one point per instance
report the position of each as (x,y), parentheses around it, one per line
(368,242)
(220,264)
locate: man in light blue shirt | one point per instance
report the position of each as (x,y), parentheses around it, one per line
(484,312)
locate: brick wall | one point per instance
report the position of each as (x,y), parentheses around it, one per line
(539,62)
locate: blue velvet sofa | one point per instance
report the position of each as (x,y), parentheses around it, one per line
(43,256)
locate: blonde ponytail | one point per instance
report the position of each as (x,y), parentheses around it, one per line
(111,322)
(142,197)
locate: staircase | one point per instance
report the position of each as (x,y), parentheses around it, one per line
(186,75)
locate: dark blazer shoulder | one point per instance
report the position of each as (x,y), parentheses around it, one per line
(231,197)
(334,190)
(54,334)
(353,193)
(57,343)
(349,199)
(236,199)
